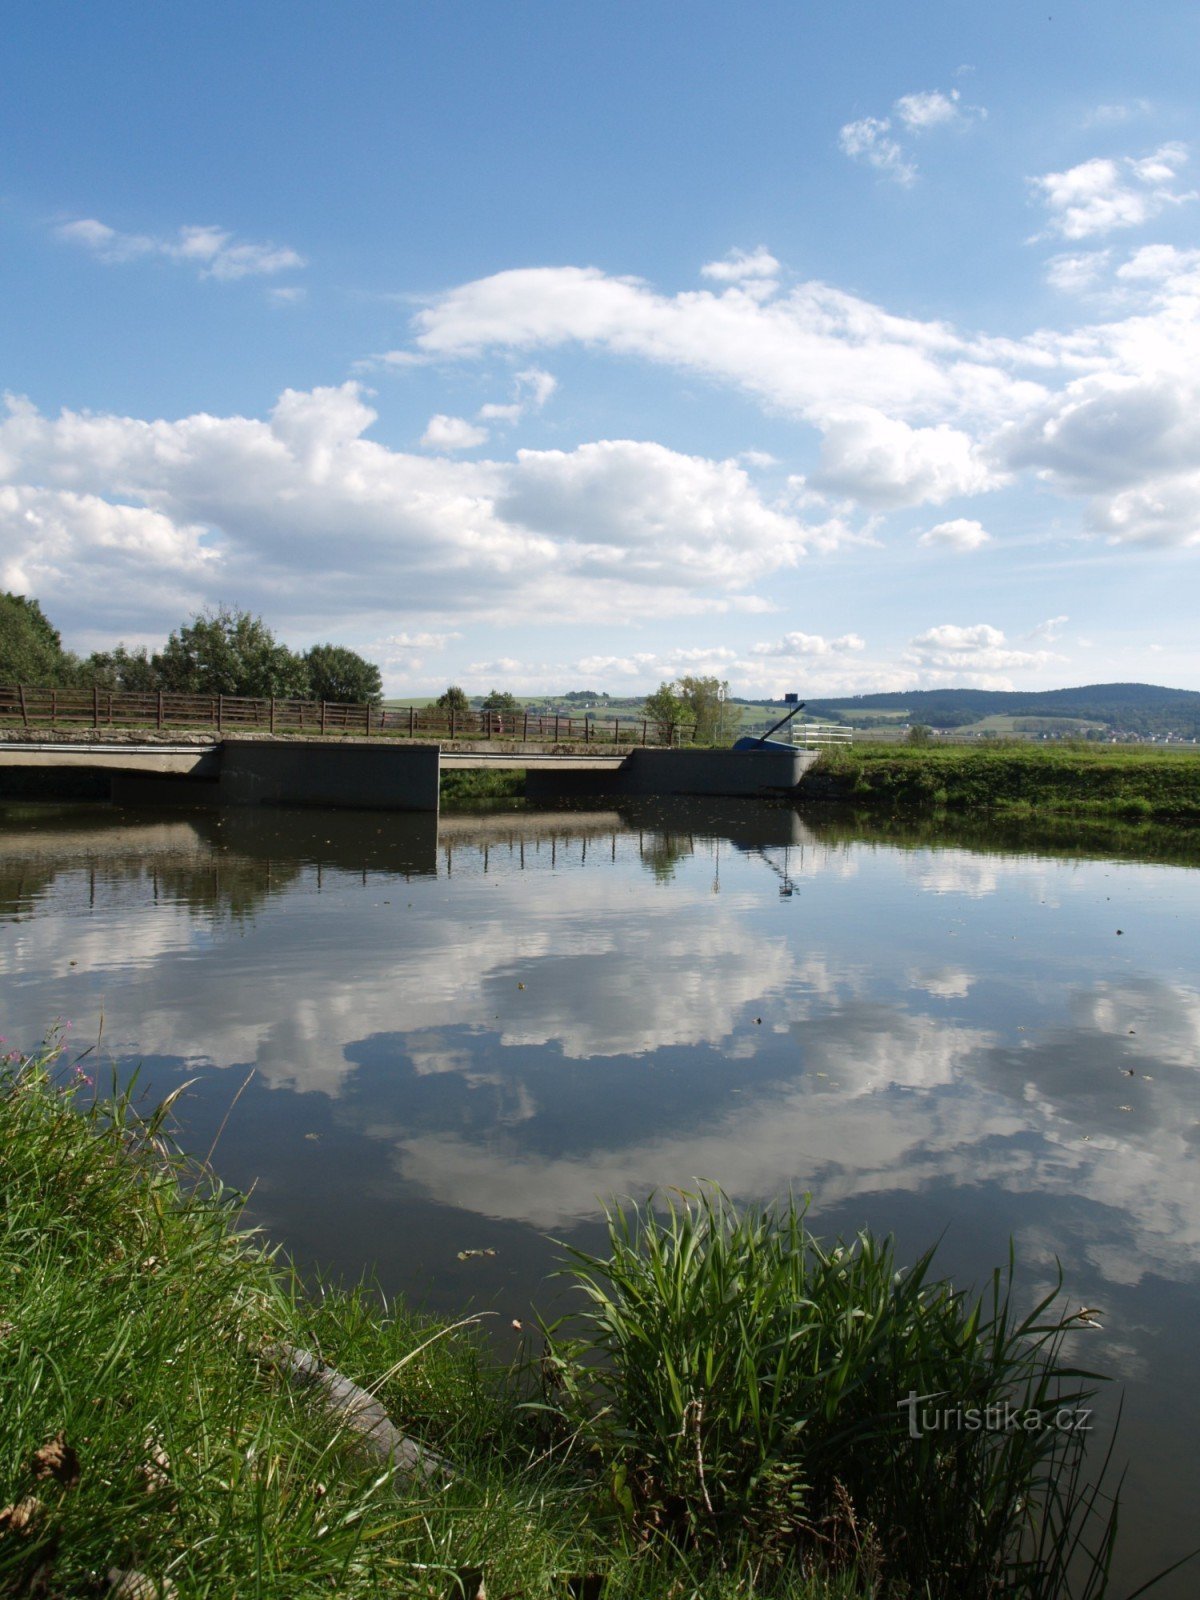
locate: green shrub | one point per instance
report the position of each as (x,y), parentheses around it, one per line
(736,1377)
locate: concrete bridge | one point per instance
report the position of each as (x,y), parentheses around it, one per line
(391,774)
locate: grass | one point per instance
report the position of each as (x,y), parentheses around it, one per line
(738,1378)
(1104,782)
(721,1421)
(461,785)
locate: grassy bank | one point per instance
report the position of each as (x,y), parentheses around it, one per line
(463,785)
(1106,782)
(720,1419)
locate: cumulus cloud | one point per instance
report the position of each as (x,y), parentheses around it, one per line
(928,108)
(968,654)
(1048,630)
(884,462)
(740,265)
(531,389)
(870,140)
(809,644)
(213,251)
(301,514)
(960,533)
(639,510)
(452,433)
(814,352)
(1103,194)
(1077,272)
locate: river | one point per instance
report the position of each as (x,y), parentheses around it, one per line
(464,1036)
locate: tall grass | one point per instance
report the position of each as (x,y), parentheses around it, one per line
(737,1379)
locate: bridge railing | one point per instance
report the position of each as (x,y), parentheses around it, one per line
(96,708)
(807,735)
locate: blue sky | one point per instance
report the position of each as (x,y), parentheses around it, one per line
(555,345)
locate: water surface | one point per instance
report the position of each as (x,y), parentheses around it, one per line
(463,1037)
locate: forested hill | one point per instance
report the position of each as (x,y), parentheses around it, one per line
(1144,708)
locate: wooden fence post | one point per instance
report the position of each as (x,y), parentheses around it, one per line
(525,725)
(322,716)
(220,713)
(412,721)
(556,727)
(160,708)
(368,719)
(95,705)
(643,730)
(271,715)
(24,707)
(452,722)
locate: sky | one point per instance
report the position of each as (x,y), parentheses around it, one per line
(548,346)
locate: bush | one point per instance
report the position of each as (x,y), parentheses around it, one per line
(735,1376)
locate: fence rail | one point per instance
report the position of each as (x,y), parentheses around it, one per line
(817,733)
(118,708)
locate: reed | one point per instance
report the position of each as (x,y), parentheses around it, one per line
(738,1380)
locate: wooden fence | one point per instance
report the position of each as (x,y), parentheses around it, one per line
(117,708)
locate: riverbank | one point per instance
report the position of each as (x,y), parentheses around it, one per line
(150,1425)
(1089,782)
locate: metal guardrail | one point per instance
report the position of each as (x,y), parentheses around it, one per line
(809,734)
(116,708)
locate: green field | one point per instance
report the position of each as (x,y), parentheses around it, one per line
(1088,780)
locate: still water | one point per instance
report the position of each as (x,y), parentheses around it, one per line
(465,1036)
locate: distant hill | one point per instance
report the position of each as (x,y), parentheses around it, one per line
(1143,708)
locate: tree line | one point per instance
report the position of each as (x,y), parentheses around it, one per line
(222,651)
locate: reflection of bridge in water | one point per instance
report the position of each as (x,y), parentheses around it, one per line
(238,857)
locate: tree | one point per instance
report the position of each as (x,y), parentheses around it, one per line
(705,704)
(699,701)
(454,699)
(665,710)
(501,700)
(30,647)
(120,669)
(335,673)
(919,734)
(230,652)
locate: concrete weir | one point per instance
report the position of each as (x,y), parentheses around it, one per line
(390,775)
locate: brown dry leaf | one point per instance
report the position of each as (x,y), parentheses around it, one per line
(22,1517)
(56,1459)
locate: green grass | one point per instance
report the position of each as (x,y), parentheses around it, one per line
(736,1378)
(1105,782)
(462,785)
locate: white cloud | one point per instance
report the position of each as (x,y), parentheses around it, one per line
(968,654)
(960,533)
(870,140)
(809,644)
(452,433)
(1102,194)
(531,388)
(304,517)
(814,352)
(1108,116)
(929,108)
(740,265)
(1048,630)
(883,461)
(214,251)
(1077,273)
(643,512)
